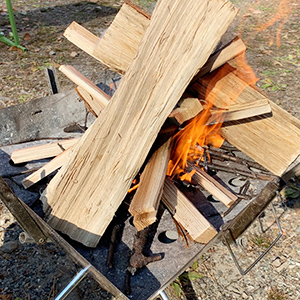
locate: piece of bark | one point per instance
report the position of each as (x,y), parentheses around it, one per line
(47,169)
(98,98)
(214,187)
(41,151)
(237,112)
(83,197)
(145,202)
(272,142)
(186,214)
(188,109)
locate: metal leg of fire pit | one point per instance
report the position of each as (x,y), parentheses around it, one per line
(244,272)
(73,283)
(163,295)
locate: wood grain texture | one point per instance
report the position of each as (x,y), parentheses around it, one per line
(145,202)
(237,112)
(214,188)
(117,48)
(98,98)
(83,197)
(82,38)
(47,169)
(41,151)
(188,109)
(272,142)
(186,214)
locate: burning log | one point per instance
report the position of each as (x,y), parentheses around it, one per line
(238,112)
(107,158)
(272,142)
(188,109)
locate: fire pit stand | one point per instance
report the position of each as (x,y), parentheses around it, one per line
(152,279)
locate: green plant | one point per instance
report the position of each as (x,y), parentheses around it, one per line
(23,98)
(261,241)
(185,278)
(268,83)
(266,73)
(276,294)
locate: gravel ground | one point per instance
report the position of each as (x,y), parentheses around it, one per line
(31,272)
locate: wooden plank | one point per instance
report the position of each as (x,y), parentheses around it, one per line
(214,187)
(236,112)
(43,118)
(88,100)
(42,151)
(104,163)
(220,57)
(188,109)
(272,142)
(98,98)
(145,202)
(82,38)
(125,34)
(186,214)
(117,48)
(47,169)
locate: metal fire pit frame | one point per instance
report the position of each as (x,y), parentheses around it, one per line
(153,279)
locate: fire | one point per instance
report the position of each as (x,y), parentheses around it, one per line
(281,16)
(185,143)
(189,143)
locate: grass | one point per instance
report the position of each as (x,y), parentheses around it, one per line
(276,294)
(261,241)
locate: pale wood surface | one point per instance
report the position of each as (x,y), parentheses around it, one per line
(272,142)
(145,202)
(188,109)
(47,169)
(186,214)
(236,112)
(214,187)
(118,46)
(42,151)
(82,38)
(98,98)
(83,197)
(220,57)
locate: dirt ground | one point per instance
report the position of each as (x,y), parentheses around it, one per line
(274,54)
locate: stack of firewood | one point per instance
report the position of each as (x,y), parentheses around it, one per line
(166,61)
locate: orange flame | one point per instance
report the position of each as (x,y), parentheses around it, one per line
(281,15)
(188,144)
